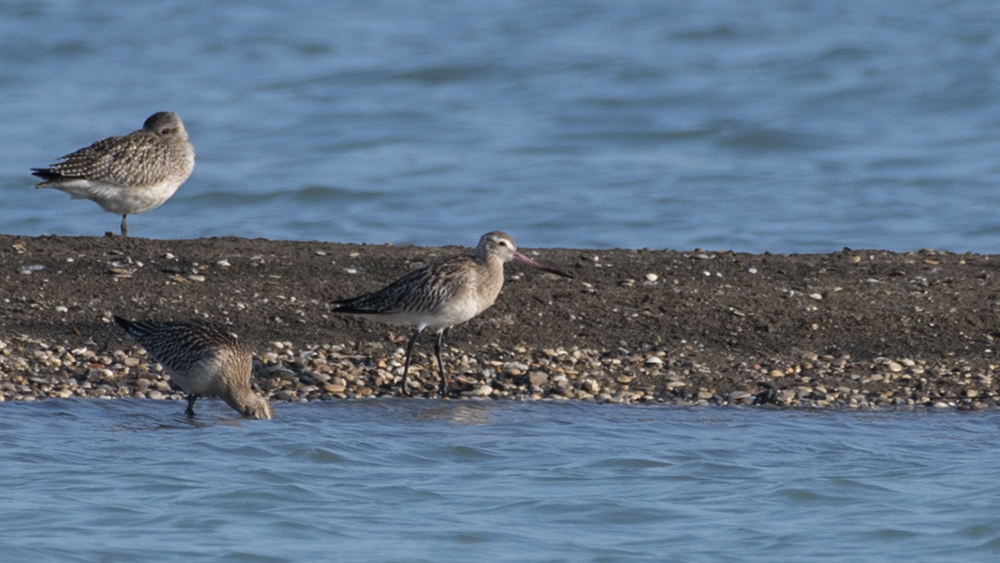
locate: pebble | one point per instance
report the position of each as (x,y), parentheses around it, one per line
(538,378)
(739,395)
(334,388)
(33,370)
(515,368)
(479,391)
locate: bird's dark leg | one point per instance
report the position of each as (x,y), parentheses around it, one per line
(124,225)
(437,352)
(406,364)
(191,399)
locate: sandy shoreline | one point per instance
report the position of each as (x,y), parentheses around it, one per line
(851,329)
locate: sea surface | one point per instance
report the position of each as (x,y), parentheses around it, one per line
(786,126)
(440,481)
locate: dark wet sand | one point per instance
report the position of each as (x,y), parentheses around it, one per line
(850,329)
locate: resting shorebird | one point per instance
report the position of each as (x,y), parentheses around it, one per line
(442,294)
(203,360)
(127,174)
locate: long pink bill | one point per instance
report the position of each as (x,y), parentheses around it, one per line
(518,257)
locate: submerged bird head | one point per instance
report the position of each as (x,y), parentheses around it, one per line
(165,124)
(248,403)
(257,407)
(500,245)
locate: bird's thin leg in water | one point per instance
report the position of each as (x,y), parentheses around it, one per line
(191,399)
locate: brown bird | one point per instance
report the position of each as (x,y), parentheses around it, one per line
(442,294)
(203,360)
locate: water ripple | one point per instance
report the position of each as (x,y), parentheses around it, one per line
(449,477)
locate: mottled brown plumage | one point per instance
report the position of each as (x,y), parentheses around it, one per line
(203,360)
(442,294)
(130,173)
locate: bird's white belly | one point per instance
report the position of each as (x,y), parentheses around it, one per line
(120,199)
(451,314)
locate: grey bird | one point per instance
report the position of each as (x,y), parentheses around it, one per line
(203,360)
(130,173)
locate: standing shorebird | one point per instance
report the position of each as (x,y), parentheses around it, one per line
(442,294)
(203,360)
(127,174)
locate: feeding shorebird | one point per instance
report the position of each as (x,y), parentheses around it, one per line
(203,360)
(442,294)
(130,173)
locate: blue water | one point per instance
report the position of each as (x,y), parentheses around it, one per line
(398,480)
(794,126)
